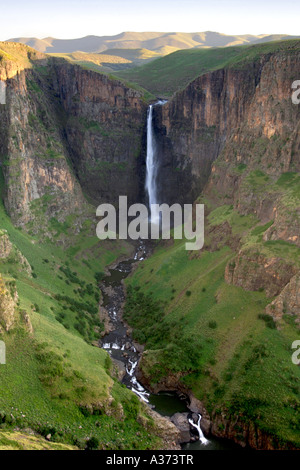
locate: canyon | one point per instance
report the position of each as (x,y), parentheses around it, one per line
(71,139)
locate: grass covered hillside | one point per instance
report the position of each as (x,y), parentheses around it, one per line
(55,380)
(56,383)
(220,323)
(164,76)
(158,42)
(214,338)
(110,60)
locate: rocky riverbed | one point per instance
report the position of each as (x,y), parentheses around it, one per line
(175,412)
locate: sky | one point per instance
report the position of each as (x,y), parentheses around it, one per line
(66,19)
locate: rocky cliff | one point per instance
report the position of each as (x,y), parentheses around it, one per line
(68,135)
(39,183)
(105,126)
(234,134)
(243,112)
(231,141)
(8,299)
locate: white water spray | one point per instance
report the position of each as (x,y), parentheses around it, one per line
(202,438)
(137,388)
(152,165)
(132,369)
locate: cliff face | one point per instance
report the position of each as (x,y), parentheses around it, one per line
(288,302)
(8,299)
(245,112)
(66,133)
(39,183)
(234,133)
(105,124)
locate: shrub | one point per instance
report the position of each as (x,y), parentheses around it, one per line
(99,276)
(269,321)
(92,444)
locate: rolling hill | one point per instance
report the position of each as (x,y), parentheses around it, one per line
(160,42)
(110,60)
(166,75)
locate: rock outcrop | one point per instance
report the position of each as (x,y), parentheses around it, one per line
(287,302)
(68,135)
(9,252)
(8,299)
(164,428)
(254,271)
(105,128)
(181,422)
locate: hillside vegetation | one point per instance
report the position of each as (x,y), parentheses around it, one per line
(220,323)
(111,60)
(56,383)
(211,337)
(164,76)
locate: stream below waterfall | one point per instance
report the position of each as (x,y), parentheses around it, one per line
(125,352)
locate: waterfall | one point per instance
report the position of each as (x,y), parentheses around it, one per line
(202,438)
(152,165)
(137,388)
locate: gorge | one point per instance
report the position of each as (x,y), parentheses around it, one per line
(216,325)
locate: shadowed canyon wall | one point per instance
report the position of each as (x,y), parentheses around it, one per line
(105,125)
(244,111)
(68,136)
(71,135)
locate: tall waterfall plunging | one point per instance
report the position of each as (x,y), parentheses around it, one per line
(152,165)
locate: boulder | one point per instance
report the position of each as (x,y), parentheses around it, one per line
(181,422)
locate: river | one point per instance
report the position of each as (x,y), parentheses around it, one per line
(126,352)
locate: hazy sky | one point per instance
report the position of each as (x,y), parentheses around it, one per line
(77,18)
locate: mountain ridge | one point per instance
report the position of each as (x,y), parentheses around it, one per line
(153,41)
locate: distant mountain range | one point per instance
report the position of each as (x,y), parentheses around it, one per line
(160,43)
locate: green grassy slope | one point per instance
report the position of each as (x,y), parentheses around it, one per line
(55,382)
(28,441)
(166,75)
(110,60)
(96,62)
(214,335)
